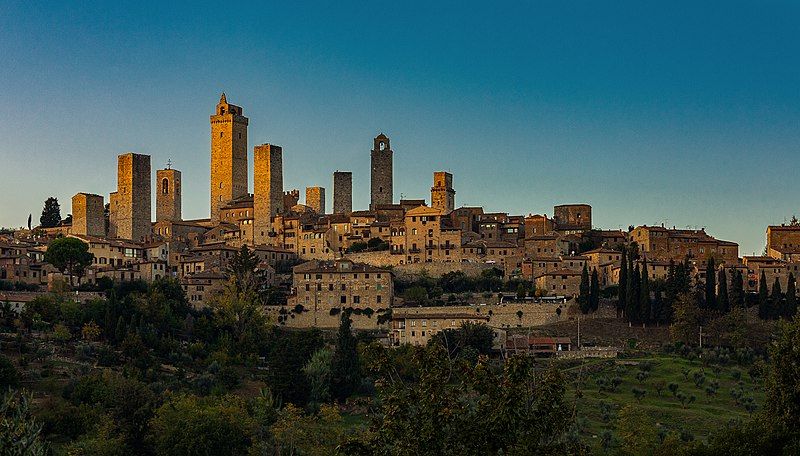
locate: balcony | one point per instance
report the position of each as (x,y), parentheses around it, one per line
(414,250)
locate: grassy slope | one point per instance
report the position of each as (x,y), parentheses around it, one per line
(699,418)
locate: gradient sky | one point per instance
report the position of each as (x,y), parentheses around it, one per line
(651,112)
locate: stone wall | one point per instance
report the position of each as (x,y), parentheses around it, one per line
(133,200)
(315,199)
(323,319)
(434,269)
(268,193)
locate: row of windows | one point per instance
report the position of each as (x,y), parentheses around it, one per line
(330,276)
(343,287)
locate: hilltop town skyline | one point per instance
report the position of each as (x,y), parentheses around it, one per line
(685,124)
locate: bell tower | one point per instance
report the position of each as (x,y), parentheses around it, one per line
(381,172)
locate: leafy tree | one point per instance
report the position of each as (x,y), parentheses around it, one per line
(345,368)
(478,337)
(286,353)
(236,311)
(314,435)
(466,409)
(687,319)
(583,296)
(723,303)
(318,372)
(633,306)
(69,255)
(763,297)
(9,377)
(51,213)
(20,433)
(242,269)
(188,425)
(783,390)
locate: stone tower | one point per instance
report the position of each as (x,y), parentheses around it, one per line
(442,194)
(342,192)
(132,200)
(87,215)
(267,191)
(315,199)
(228,155)
(381,172)
(168,195)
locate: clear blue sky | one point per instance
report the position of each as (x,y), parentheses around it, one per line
(650,111)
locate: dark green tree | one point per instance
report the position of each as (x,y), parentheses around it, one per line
(763,297)
(737,299)
(583,296)
(644,295)
(51,213)
(791,298)
(633,307)
(69,255)
(345,367)
(20,433)
(711,284)
(776,300)
(594,291)
(622,289)
(723,303)
(475,337)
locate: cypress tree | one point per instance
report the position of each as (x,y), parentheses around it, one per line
(763,297)
(711,285)
(583,297)
(51,213)
(632,309)
(776,299)
(345,369)
(644,295)
(723,303)
(737,290)
(669,286)
(594,291)
(622,287)
(791,297)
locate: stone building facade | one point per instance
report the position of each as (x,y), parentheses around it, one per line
(132,201)
(443,197)
(325,285)
(228,155)
(268,193)
(290,199)
(315,199)
(572,218)
(168,195)
(342,192)
(87,215)
(381,176)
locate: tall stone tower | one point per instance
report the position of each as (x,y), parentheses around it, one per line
(442,194)
(267,191)
(133,200)
(315,199)
(290,199)
(228,155)
(87,215)
(342,192)
(168,195)
(381,175)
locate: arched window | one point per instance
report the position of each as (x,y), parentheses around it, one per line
(165,186)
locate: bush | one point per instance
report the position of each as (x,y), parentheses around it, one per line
(9,377)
